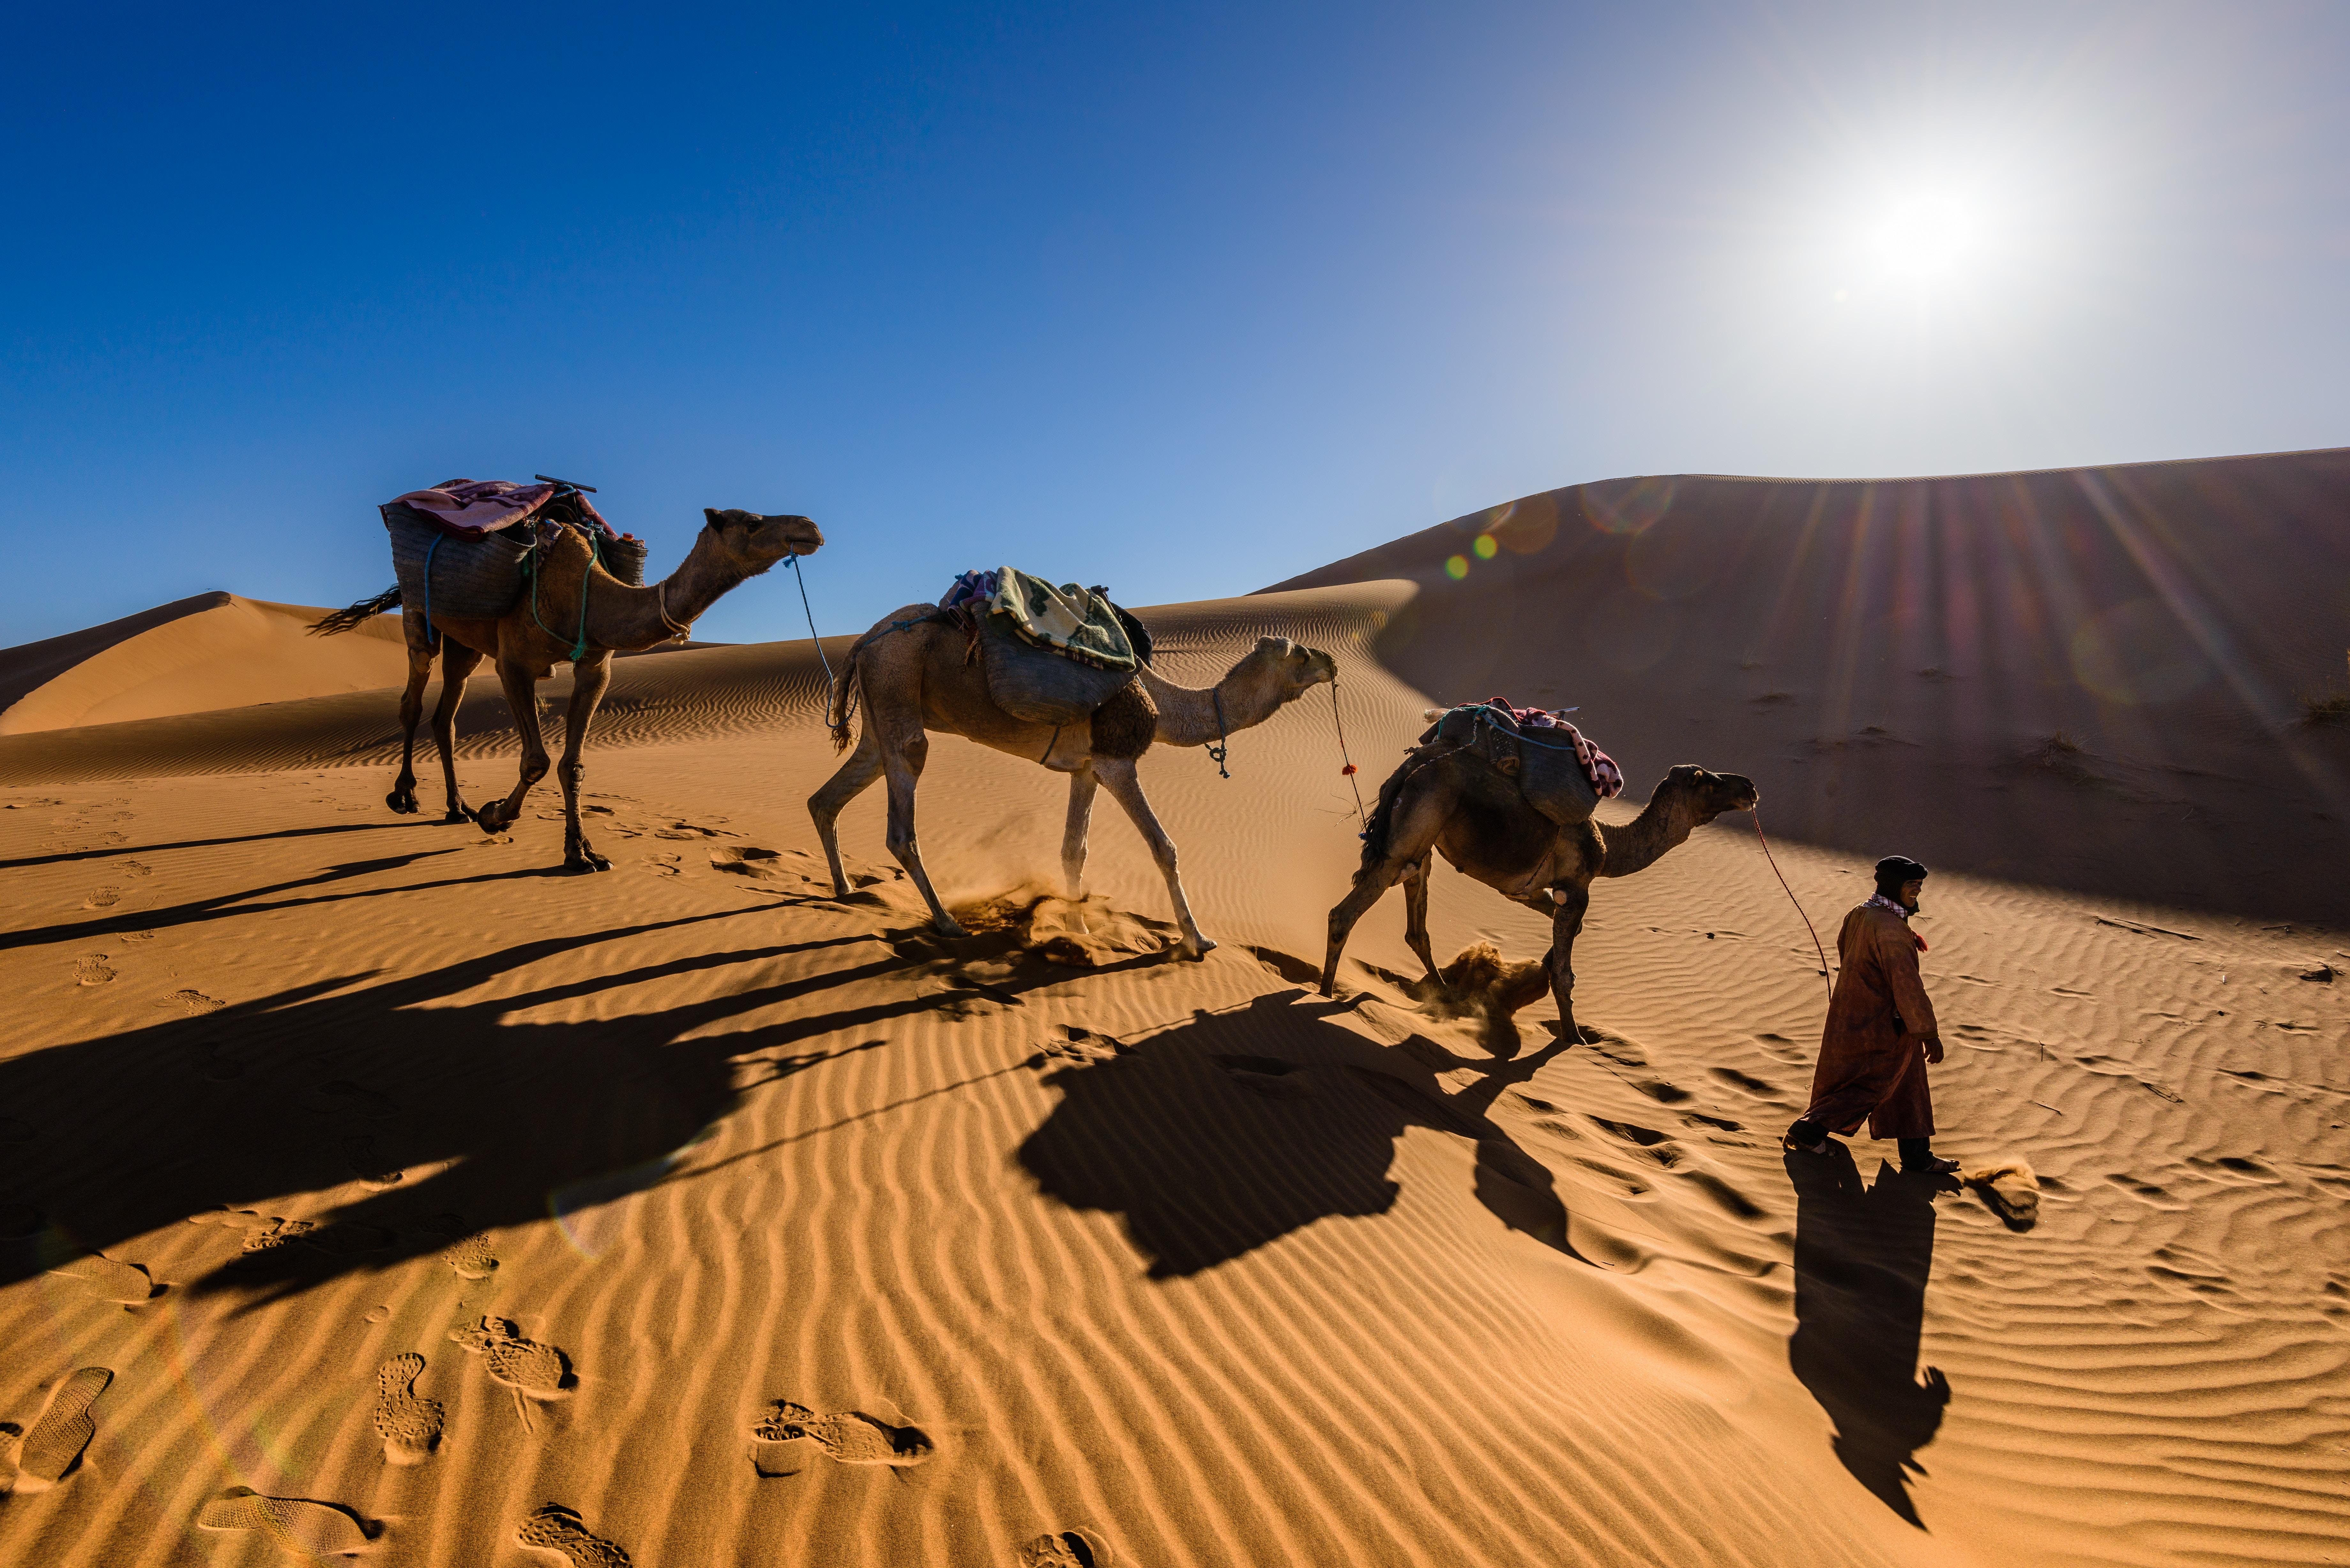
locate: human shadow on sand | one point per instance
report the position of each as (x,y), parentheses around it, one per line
(309,1089)
(1218,1135)
(1862,1255)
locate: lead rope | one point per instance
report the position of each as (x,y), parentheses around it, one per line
(801,578)
(1793,899)
(1223,739)
(1348,771)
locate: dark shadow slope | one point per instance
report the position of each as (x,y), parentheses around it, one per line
(2091,679)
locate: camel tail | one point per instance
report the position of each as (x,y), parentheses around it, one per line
(355,616)
(1374,832)
(840,710)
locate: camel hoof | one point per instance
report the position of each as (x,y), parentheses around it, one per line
(1200,949)
(591,861)
(488,820)
(949,928)
(457,814)
(402,801)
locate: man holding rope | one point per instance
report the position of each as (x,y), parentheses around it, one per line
(1880,1035)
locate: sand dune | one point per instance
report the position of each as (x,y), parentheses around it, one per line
(686,1215)
(196,655)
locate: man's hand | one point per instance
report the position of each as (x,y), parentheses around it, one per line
(1933,1049)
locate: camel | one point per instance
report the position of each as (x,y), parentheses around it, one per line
(529,639)
(1446,798)
(912,670)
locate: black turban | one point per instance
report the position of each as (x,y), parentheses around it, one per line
(1894,870)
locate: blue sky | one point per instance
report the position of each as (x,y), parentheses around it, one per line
(1182,300)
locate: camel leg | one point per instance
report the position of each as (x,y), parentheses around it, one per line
(902,756)
(402,798)
(1415,917)
(522,697)
(1073,841)
(1565,924)
(1126,787)
(1414,824)
(850,780)
(457,662)
(588,678)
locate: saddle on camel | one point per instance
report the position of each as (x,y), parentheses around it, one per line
(531,576)
(1060,676)
(1508,795)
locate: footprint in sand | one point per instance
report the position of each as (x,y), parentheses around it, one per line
(664,865)
(103,898)
(54,1446)
(555,1528)
(259,1231)
(534,1371)
(471,1256)
(294,1525)
(92,970)
(409,1424)
(196,1002)
(108,1280)
(848,1437)
(1066,1549)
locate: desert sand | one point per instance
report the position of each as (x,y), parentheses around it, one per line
(367,1185)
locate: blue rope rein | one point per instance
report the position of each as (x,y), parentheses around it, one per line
(431,638)
(538,552)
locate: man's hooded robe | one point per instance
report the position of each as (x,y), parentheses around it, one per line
(1871,1053)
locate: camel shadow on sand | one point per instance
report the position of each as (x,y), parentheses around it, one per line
(1217,1136)
(304,1090)
(1862,1255)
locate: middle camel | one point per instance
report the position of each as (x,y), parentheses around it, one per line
(915,676)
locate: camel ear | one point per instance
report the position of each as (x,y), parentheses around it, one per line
(709,515)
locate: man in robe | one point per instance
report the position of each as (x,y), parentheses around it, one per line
(1881,1034)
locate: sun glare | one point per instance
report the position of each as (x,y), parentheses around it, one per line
(1928,237)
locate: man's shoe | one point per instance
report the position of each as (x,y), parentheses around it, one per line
(1932,1168)
(1826,1146)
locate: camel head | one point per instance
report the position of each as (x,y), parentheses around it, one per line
(750,544)
(1283,670)
(1707,794)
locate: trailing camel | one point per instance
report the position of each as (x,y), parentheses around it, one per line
(915,677)
(575,608)
(1448,799)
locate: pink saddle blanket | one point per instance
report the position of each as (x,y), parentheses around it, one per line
(476,508)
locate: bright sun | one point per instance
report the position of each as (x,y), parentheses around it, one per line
(1928,237)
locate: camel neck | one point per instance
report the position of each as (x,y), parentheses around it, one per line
(627,619)
(1663,825)
(1189,716)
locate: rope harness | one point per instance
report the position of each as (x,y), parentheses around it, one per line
(1348,771)
(1217,753)
(801,578)
(431,634)
(1793,899)
(537,550)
